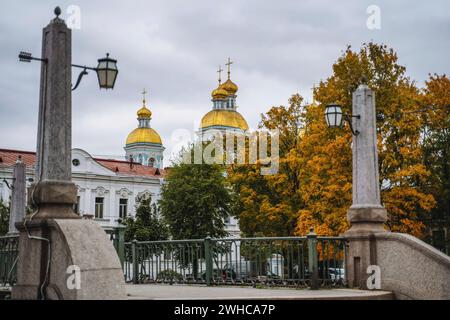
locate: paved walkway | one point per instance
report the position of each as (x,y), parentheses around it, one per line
(199,292)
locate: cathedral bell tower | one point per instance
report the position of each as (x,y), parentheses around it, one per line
(144,144)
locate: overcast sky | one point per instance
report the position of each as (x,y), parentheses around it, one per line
(173,49)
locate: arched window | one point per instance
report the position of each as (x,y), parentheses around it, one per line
(151,162)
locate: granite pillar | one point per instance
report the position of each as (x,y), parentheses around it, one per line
(18,197)
(366,214)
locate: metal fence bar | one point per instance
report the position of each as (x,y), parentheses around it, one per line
(9,251)
(309,261)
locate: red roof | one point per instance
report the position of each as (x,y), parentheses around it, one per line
(9,157)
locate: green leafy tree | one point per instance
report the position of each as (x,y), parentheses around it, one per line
(195,201)
(4,218)
(147,224)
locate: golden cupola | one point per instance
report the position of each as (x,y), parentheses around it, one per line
(230,87)
(144,113)
(143,144)
(219,93)
(144,133)
(224,115)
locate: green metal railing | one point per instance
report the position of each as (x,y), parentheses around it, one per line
(9,249)
(117,237)
(309,261)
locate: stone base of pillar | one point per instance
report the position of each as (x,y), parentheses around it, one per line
(361,244)
(77,261)
(366,220)
(360,253)
(55,200)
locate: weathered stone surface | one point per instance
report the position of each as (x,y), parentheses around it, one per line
(412,269)
(79,243)
(55,199)
(18,197)
(366,214)
(55,104)
(366,189)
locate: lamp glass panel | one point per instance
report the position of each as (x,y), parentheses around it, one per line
(101,77)
(102,64)
(333,116)
(111,77)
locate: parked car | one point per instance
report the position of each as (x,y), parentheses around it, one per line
(223,274)
(336,273)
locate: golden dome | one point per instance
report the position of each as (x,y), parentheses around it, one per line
(219,93)
(143,135)
(230,87)
(144,113)
(224,118)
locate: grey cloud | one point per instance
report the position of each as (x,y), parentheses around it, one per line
(173,48)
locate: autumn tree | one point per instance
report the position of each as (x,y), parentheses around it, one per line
(436,148)
(403,176)
(314,184)
(267,205)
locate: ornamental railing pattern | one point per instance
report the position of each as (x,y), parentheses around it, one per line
(9,252)
(309,261)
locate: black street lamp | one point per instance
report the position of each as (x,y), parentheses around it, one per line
(106,70)
(333,115)
(335,118)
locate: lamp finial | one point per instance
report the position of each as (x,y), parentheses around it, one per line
(57,11)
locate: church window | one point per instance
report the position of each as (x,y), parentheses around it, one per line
(123,204)
(76,162)
(151,162)
(99,207)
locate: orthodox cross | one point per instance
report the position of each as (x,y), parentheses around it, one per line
(144,92)
(219,72)
(228,64)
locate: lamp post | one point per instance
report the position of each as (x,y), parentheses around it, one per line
(54,238)
(366,214)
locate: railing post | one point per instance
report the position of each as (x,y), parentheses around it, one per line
(208,261)
(120,236)
(312,259)
(135,262)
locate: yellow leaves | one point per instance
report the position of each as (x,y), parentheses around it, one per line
(314,183)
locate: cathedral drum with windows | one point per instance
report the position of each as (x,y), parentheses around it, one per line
(223,117)
(143,144)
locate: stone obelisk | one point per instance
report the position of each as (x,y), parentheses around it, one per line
(54,192)
(366,214)
(18,196)
(60,255)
